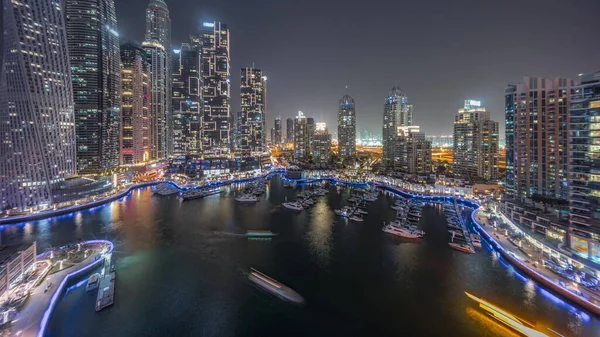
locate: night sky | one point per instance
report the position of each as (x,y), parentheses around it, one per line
(439,52)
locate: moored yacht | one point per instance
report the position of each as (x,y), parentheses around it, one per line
(93,282)
(476,240)
(461,247)
(403,231)
(246,199)
(293,206)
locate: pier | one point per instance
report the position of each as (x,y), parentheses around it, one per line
(106,290)
(463,224)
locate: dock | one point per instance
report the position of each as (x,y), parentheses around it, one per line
(106,289)
(465,232)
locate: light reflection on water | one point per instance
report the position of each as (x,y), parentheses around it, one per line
(320,232)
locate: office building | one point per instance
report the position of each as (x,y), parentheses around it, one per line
(302,144)
(396,113)
(346,127)
(289,130)
(412,151)
(37,124)
(15,262)
(253,98)
(94,57)
(278,132)
(584,172)
(186,101)
(321,144)
(475,150)
(157,46)
(537,112)
(135,105)
(217,123)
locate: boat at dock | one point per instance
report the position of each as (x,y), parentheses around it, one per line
(274,287)
(405,231)
(476,240)
(293,206)
(93,282)
(465,248)
(106,291)
(356,218)
(246,199)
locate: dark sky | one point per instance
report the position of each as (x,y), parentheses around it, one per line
(440,52)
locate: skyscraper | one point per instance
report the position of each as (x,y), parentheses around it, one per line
(186,101)
(509,133)
(302,146)
(537,114)
(278,132)
(584,185)
(157,46)
(412,151)
(289,130)
(213,41)
(95,65)
(37,124)
(321,144)
(396,113)
(135,105)
(346,127)
(253,98)
(476,138)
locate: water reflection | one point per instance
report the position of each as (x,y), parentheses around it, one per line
(320,232)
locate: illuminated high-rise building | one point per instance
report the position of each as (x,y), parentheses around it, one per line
(37,124)
(346,127)
(157,46)
(302,144)
(537,151)
(412,151)
(135,105)
(217,124)
(289,130)
(186,101)
(321,144)
(94,57)
(278,134)
(253,98)
(396,113)
(475,152)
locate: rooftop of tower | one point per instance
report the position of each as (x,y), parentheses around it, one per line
(158,3)
(396,91)
(346,99)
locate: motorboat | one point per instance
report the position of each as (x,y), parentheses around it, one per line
(345,211)
(293,206)
(461,247)
(356,218)
(361,211)
(476,240)
(403,232)
(93,282)
(398,208)
(274,287)
(247,199)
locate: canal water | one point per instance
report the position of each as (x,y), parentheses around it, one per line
(182,270)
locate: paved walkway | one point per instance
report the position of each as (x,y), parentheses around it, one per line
(528,254)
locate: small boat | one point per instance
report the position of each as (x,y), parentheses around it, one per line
(274,287)
(293,206)
(398,208)
(361,211)
(461,247)
(476,239)
(93,282)
(403,232)
(260,233)
(247,199)
(356,218)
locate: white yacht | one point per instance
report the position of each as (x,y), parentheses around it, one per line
(247,199)
(293,206)
(403,232)
(356,218)
(476,239)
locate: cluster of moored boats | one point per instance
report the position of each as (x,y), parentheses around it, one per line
(357,203)
(252,191)
(459,236)
(304,200)
(164,189)
(198,193)
(407,216)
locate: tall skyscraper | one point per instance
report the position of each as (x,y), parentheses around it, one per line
(584,185)
(253,98)
(302,145)
(278,131)
(396,113)
(412,151)
(321,144)
(509,132)
(476,138)
(37,124)
(289,130)
(186,101)
(537,113)
(346,127)
(157,46)
(95,65)
(217,124)
(135,105)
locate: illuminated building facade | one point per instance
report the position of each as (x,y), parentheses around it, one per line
(278,132)
(537,115)
(302,144)
(346,127)
(94,57)
(253,98)
(186,101)
(321,144)
(157,46)
(475,150)
(396,113)
(289,130)
(37,124)
(135,105)
(217,124)
(584,167)
(412,151)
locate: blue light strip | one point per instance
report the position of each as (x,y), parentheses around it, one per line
(59,289)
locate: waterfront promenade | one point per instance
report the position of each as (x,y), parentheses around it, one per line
(31,321)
